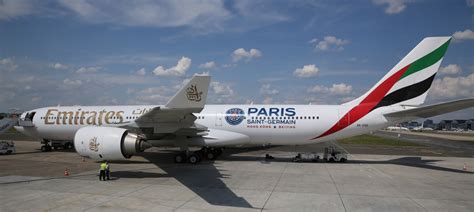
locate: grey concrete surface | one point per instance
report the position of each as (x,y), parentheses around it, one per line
(237,182)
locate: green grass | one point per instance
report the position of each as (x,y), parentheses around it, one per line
(375,140)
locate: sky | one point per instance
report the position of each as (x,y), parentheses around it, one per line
(117,52)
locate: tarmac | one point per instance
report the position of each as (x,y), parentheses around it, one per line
(239,180)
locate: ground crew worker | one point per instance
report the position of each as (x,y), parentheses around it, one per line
(103,167)
(107,170)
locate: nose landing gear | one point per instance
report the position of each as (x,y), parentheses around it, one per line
(46,147)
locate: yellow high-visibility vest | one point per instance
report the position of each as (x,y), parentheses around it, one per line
(103,166)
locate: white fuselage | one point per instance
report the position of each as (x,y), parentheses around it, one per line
(262,124)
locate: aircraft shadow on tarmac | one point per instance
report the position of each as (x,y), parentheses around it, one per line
(204,179)
(417,162)
(136,174)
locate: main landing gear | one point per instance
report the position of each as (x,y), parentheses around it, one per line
(195,157)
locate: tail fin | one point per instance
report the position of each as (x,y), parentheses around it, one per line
(409,81)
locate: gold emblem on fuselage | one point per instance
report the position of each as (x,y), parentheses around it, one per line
(193,94)
(93,144)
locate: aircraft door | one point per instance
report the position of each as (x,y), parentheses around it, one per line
(30,116)
(219,118)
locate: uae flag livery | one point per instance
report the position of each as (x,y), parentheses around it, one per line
(407,83)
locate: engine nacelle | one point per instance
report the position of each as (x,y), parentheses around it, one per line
(107,143)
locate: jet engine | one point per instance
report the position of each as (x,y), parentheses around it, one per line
(108,143)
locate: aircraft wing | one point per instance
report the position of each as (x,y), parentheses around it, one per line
(433,110)
(177,114)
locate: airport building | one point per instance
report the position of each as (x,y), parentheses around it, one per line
(462,124)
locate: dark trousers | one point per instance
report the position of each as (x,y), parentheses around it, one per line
(107,174)
(102,175)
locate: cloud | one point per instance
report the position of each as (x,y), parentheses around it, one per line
(11,9)
(26,79)
(259,11)
(133,59)
(267,100)
(165,13)
(340,89)
(151,95)
(154,90)
(329,43)
(450,69)
(470,3)
(202,17)
(394,6)
(152,99)
(204,73)
(179,70)
(208,65)
(88,70)
(221,89)
(72,83)
(453,87)
(336,89)
(460,36)
(141,72)
(58,66)
(230,65)
(7,64)
(241,53)
(307,71)
(267,90)
(318,89)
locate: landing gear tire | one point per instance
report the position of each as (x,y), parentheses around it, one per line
(180,158)
(67,146)
(46,148)
(218,152)
(211,155)
(194,158)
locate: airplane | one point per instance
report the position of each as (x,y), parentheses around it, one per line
(119,132)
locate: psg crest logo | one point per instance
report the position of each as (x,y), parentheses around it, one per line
(234,116)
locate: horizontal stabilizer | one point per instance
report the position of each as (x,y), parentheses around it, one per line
(433,110)
(192,95)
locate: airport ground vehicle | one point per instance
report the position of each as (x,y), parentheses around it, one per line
(50,145)
(307,157)
(331,154)
(7,148)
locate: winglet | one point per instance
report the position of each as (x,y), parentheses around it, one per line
(192,95)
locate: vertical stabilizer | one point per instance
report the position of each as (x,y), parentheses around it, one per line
(409,81)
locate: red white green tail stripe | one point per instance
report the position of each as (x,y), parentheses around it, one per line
(405,83)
